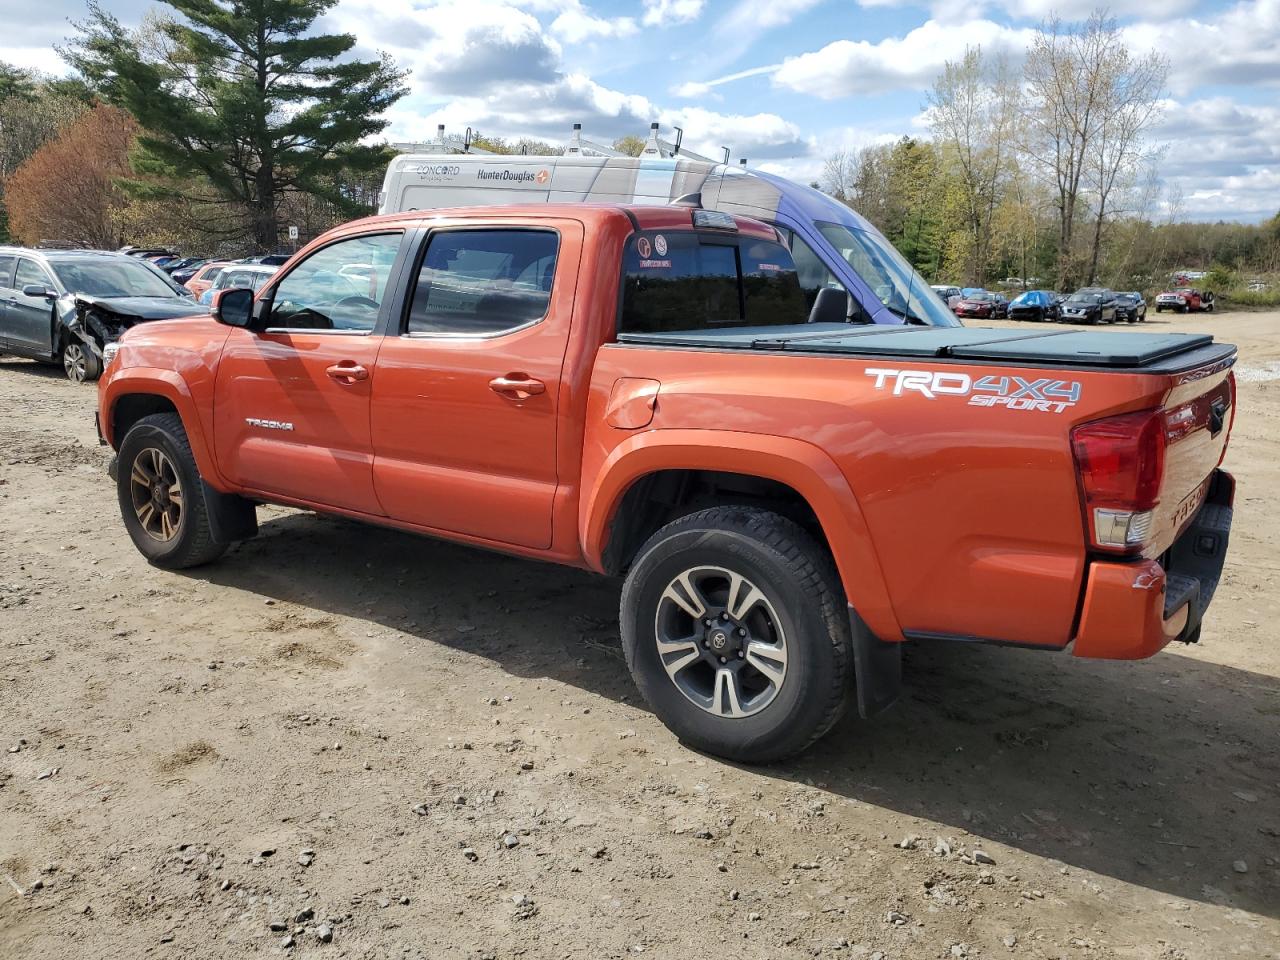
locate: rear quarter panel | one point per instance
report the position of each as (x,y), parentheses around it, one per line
(973,512)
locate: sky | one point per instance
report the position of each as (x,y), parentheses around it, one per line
(784,83)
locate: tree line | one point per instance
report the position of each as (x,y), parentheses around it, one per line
(211,125)
(1047,173)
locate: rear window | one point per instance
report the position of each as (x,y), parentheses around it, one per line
(692,281)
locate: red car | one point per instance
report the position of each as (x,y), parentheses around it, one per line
(982,305)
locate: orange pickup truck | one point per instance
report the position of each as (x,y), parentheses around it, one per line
(790,493)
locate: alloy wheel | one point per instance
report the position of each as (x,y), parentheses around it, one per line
(721,641)
(74,362)
(157,494)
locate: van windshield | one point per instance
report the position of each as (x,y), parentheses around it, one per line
(898,285)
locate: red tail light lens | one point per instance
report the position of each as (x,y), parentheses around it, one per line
(1121,459)
(1121,463)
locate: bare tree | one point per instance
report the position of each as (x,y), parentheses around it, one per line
(972,110)
(1131,107)
(1072,91)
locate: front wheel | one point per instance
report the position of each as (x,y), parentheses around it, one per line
(162,499)
(80,363)
(736,632)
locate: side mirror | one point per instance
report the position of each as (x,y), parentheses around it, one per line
(830,306)
(39,290)
(234,307)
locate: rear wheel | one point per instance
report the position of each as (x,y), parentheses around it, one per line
(162,499)
(80,363)
(736,633)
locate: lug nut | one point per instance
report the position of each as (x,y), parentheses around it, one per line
(742,631)
(707,622)
(741,654)
(724,616)
(723,660)
(706,643)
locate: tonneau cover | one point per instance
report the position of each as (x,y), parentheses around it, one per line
(1040,347)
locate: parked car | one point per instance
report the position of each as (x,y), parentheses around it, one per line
(184,273)
(174,265)
(1131,307)
(1001,309)
(65,306)
(981,304)
(204,277)
(1090,305)
(1184,300)
(950,295)
(502,389)
(270,259)
(1035,305)
(146,252)
(244,275)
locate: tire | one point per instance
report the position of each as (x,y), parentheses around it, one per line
(156,447)
(800,610)
(80,364)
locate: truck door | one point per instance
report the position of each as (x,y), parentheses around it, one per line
(467,390)
(292,411)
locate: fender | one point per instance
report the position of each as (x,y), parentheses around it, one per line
(171,386)
(798,464)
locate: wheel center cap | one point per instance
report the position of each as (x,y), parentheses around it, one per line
(719,639)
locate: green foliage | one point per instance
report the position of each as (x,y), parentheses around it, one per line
(525,145)
(1220,277)
(244,97)
(1253,298)
(630,145)
(16,83)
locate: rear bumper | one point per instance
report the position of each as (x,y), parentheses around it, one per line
(1133,609)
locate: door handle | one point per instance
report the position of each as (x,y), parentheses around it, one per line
(347,372)
(518,385)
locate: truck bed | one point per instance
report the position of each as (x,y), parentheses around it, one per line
(1147,352)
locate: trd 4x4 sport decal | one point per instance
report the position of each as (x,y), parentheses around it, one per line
(1016,393)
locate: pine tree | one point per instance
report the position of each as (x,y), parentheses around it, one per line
(243,95)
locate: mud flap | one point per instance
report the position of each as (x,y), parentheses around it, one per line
(231,517)
(877,669)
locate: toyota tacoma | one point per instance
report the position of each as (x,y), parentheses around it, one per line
(789,494)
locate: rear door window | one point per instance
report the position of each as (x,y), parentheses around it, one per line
(483,282)
(6,271)
(692,281)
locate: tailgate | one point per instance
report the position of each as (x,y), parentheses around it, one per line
(1199,410)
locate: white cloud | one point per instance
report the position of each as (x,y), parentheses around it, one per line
(576,24)
(664,13)
(1223,157)
(1241,45)
(858,67)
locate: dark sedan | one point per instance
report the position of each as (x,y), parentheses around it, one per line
(1131,307)
(1039,305)
(1090,305)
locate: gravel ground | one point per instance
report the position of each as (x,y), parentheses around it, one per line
(348,742)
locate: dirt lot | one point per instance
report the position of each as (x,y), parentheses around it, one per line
(422,750)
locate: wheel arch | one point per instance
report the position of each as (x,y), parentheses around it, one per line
(802,474)
(137,392)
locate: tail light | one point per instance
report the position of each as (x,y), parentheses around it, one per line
(1121,464)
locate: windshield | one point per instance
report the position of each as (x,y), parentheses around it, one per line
(980,297)
(883,269)
(1085,298)
(114,277)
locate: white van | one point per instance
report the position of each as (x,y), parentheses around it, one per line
(832,245)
